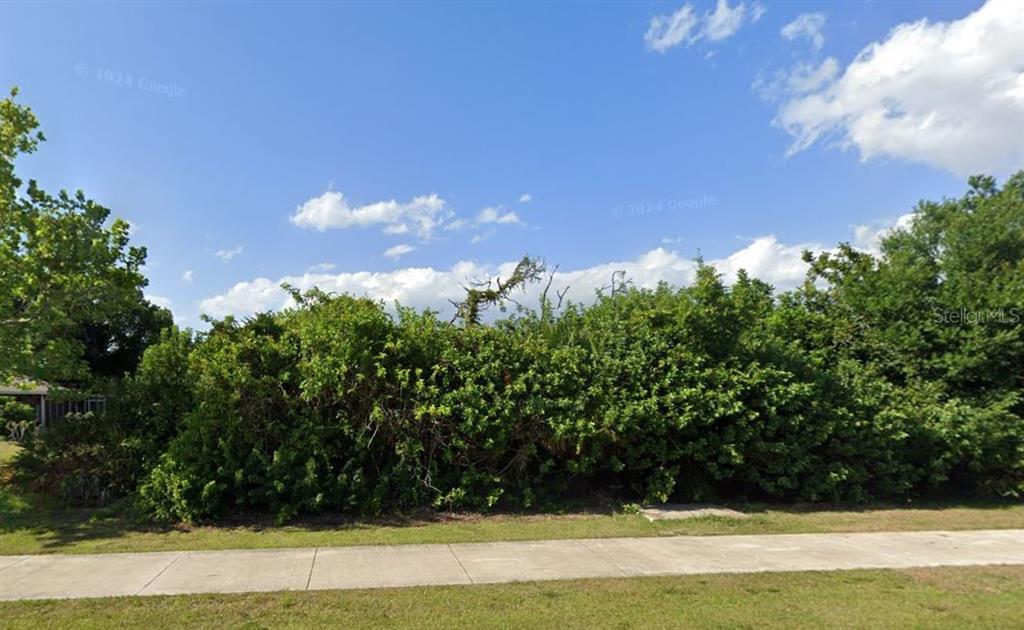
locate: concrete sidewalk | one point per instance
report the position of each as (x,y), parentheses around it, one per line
(104,575)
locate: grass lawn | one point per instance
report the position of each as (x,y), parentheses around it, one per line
(33,524)
(7,451)
(953,597)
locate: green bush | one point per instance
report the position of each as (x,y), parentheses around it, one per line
(845,389)
(850,388)
(95,458)
(81,459)
(17,419)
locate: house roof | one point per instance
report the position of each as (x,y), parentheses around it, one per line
(24,387)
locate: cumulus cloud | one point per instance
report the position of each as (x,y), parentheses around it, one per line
(426,287)
(158,300)
(397,251)
(187,276)
(684,26)
(946,94)
(765,257)
(868,236)
(525,198)
(421,215)
(228,254)
(396,228)
(806,26)
(494,214)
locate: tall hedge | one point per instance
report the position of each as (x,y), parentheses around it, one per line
(886,375)
(854,387)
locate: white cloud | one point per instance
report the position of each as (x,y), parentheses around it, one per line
(766,258)
(251,297)
(494,214)
(947,94)
(802,78)
(481,236)
(321,267)
(187,276)
(397,251)
(668,31)
(685,26)
(806,77)
(331,210)
(160,301)
(726,20)
(868,236)
(672,241)
(806,25)
(396,228)
(426,287)
(525,198)
(757,11)
(228,254)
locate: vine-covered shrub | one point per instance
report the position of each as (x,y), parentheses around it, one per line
(858,385)
(666,393)
(849,388)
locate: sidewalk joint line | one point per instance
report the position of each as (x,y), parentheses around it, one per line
(461,566)
(24,558)
(312,565)
(673,555)
(161,572)
(599,555)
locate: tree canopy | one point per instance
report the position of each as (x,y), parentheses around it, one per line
(70,281)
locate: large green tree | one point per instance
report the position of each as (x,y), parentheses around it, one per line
(939,317)
(66,271)
(113,346)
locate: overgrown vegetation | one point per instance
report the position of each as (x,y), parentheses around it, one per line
(17,420)
(889,376)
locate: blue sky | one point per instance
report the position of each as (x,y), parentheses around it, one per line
(254,143)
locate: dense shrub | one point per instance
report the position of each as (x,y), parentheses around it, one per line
(96,457)
(84,459)
(855,386)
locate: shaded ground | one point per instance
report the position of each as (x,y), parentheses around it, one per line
(32,524)
(7,451)
(933,598)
